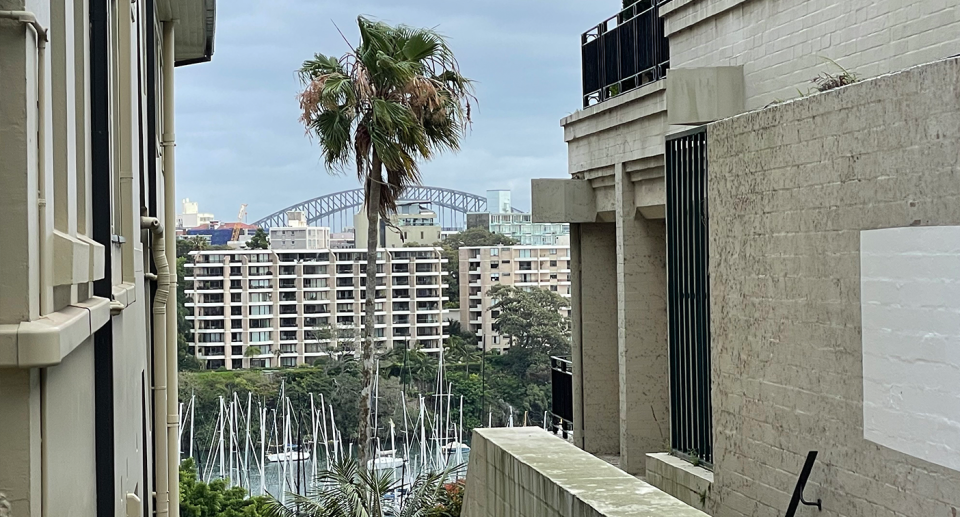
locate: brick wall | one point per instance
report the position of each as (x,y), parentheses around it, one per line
(791,188)
(782,43)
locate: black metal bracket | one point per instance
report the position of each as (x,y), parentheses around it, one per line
(797,498)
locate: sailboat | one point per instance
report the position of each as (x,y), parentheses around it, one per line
(290,453)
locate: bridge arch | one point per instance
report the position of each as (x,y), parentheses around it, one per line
(451,207)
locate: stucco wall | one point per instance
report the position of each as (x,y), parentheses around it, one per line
(791,188)
(782,44)
(527,472)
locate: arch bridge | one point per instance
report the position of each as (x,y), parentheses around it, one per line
(336,210)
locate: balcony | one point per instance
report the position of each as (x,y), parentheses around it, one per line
(624,52)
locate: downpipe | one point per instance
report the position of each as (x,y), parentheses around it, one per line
(160,301)
(168,143)
(46,258)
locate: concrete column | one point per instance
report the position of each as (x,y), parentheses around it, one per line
(20,454)
(594,300)
(641,330)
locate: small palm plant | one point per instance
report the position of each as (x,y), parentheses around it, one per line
(395,100)
(346,490)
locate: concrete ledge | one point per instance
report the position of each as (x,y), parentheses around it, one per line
(529,472)
(46,341)
(697,96)
(680,478)
(563,201)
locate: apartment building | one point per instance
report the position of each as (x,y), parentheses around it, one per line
(283,308)
(500,218)
(524,267)
(413,222)
(298,235)
(87,329)
(757,273)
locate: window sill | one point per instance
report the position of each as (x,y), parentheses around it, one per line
(46,341)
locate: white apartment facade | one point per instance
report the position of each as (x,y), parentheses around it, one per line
(411,223)
(87,165)
(524,267)
(283,308)
(300,238)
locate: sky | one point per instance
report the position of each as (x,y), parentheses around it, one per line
(238,135)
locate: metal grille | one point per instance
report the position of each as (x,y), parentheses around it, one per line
(624,52)
(561,407)
(689,295)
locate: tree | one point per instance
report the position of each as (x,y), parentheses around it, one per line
(347,490)
(199,499)
(259,241)
(396,99)
(451,251)
(532,322)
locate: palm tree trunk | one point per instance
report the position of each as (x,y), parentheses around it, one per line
(366,431)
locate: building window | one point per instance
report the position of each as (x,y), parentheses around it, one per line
(553,288)
(495,277)
(553,251)
(524,253)
(553,263)
(494,252)
(288,362)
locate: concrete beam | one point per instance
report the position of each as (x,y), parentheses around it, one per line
(696,96)
(563,201)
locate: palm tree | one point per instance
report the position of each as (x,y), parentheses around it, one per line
(396,99)
(346,490)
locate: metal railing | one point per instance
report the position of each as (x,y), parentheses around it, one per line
(688,290)
(624,52)
(561,406)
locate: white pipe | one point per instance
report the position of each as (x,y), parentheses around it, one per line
(160,302)
(46,256)
(169,214)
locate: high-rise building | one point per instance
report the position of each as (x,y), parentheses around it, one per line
(268,308)
(298,236)
(190,215)
(524,267)
(413,222)
(500,218)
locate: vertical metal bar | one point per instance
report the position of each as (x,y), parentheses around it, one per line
(698,290)
(708,403)
(671,287)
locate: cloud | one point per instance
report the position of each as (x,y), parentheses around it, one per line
(239,140)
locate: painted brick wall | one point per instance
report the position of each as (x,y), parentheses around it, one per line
(781,43)
(791,188)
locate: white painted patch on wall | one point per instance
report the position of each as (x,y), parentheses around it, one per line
(910,312)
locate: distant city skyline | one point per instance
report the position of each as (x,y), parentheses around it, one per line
(239,140)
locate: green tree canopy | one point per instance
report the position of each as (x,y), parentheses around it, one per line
(259,241)
(533,322)
(216,499)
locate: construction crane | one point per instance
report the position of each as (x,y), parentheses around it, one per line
(237,227)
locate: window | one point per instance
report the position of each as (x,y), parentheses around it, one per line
(495,277)
(344,307)
(235,297)
(260,284)
(553,251)
(260,297)
(259,337)
(553,263)
(494,265)
(261,310)
(553,276)
(288,362)
(524,253)
(494,252)
(553,288)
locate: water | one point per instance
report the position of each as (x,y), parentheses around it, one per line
(298,476)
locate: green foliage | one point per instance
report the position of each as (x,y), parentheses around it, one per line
(259,241)
(199,499)
(532,319)
(346,490)
(451,501)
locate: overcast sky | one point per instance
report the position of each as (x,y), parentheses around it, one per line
(239,140)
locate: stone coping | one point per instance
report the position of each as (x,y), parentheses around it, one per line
(606,489)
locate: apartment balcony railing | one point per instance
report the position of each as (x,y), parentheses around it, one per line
(561,384)
(624,52)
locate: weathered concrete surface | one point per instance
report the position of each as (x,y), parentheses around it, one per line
(680,478)
(527,472)
(791,189)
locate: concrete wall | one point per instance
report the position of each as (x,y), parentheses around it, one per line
(782,44)
(791,189)
(527,472)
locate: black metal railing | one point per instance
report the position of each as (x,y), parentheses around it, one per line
(688,287)
(561,406)
(624,52)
